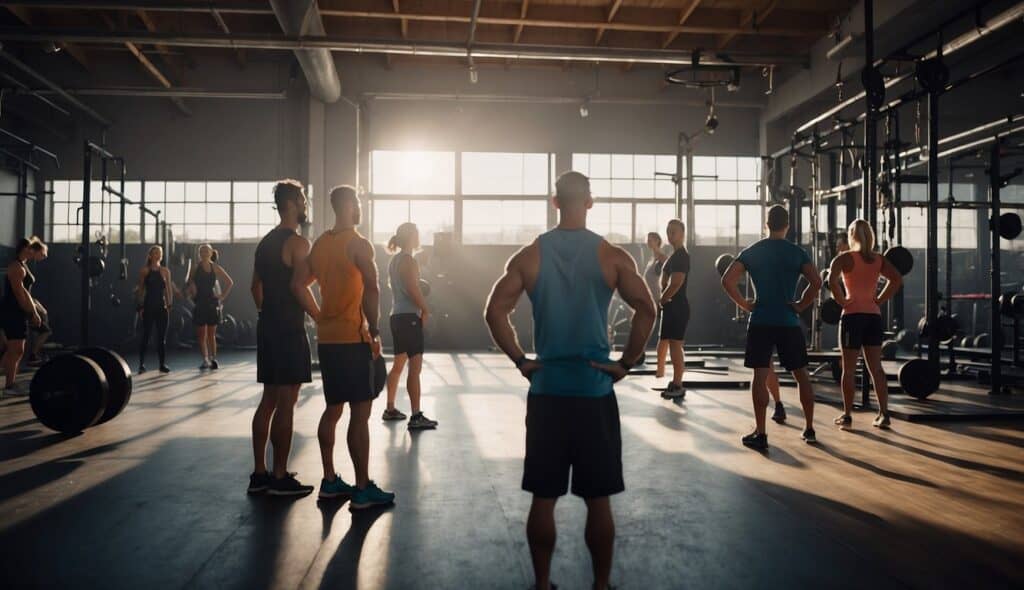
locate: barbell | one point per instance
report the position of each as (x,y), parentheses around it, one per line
(74,391)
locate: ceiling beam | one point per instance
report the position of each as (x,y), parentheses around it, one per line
(239,53)
(567,53)
(616,4)
(405,23)
(148,65)
(76,52)
(752,19)
(522,15)
(162,49)
(684,15)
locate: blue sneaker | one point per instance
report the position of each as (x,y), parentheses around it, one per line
(370,496)
(333,489)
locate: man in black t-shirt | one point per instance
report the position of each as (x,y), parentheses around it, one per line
(675,307)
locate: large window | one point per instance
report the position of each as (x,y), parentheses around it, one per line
(915,219)
(197,211)
(500,197)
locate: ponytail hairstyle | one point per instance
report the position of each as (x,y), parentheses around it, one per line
(403,238)
(213,253)
(32,243)
(862,239)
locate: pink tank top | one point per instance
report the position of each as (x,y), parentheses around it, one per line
(861,284)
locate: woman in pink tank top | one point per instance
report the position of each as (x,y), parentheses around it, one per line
(860,328)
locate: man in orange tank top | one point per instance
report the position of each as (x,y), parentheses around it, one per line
(342,263)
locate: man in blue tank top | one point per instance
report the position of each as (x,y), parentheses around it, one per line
(572,418)
(774,265)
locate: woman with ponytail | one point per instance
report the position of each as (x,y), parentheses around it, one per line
(206,314)
(157,296)
(860,327)
(409,313)
(18,309)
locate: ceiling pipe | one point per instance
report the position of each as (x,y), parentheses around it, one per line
(168,93)
(1009,16)
(55,88)
(302,18)
(434,49)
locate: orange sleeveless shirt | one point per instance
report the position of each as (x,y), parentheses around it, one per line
(861,283)
(341,289)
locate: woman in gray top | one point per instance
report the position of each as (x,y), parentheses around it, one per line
(652,275)
(409,313)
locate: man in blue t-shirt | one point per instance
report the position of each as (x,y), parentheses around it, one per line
(774,265)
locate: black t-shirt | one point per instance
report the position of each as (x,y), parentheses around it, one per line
(679,261)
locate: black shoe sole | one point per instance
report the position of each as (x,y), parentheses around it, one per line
(757,446)
(371,505)
(272,492)
(254,491)
(429,427)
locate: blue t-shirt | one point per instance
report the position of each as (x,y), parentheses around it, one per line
(774,267)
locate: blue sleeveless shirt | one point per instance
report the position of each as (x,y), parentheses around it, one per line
(570,316)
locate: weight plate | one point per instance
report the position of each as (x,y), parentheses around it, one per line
(69,393)
(119,380)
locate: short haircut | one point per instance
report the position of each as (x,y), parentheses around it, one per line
(340,194)
(778,218)
(286,190)
(678,222)
(572,187)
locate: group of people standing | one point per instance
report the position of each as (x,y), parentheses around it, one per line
(573,439)
(342,263)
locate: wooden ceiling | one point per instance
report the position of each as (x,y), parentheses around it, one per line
(773,27)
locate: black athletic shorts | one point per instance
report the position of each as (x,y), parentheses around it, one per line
(282,354)
(577,434)
(674,319)
(14,325)
(860,329)
(788,341)
(206,314)
(407,334)
(347,372)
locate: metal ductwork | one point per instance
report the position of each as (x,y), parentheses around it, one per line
(301,18)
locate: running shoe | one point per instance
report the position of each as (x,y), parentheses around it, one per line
(334,488)
(756,441)
(204,366)
(258,483)
(165,369)
(371,496)
(213,365)
(809,436)
(674,391)
(882,421)
(779,415)
(287,486)
(843,420)
(14,389)
(421,422)
(393,414)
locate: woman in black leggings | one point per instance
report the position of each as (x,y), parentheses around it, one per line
(155,285)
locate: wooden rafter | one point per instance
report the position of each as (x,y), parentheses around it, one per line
(239,53)
(76,52)
(612,11)
(752,19)
(405,23)
(522,15)
(652,25)
(684,15)
(162,49)
(148,65)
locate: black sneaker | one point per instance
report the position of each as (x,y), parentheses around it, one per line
(258,483)
(779,415)
(421,422)
(213,365)
(393,414)
(756,441)
(165,369)
(809,436)
(843,420)
(287,486)
(673,391)
(142,369)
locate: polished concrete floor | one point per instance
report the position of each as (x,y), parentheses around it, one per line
(156,498)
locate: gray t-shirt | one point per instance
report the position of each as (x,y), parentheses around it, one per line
(400,300)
